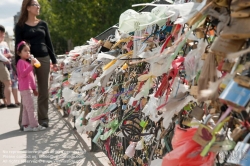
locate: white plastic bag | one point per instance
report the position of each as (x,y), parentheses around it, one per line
(193,62)
(69,95)
(78,123)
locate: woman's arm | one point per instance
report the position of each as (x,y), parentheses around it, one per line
(49,45)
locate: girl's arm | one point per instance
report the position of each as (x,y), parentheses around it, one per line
(22,69)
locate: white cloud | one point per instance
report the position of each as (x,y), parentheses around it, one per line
(8,23)
(9,8)
(4,2)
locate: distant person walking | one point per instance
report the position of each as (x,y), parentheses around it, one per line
(36,33)
(5,75)
(14,80)
(2,105)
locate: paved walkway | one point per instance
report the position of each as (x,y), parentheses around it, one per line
(59,145)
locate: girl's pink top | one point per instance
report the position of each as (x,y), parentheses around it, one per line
(26,79)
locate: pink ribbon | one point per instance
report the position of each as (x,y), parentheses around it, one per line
(21,43)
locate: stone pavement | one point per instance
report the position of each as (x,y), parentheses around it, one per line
(59,145)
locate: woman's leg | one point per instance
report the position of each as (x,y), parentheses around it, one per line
(42,74)
(28,106)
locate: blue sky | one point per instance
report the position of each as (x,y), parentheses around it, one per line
(9,8)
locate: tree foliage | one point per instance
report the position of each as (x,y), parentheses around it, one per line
(79,20)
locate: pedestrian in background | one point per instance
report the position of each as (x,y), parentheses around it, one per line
(5,75)
(14,80)
(2,97)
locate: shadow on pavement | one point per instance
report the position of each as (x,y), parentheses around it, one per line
(11,134)
(57,145)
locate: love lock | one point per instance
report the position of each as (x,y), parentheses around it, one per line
(147,78)
(241,153)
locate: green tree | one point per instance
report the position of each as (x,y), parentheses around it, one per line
(79,20)
(47,14)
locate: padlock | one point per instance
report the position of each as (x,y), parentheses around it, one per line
(236,96)
(199,33)
(203,135)
(238,29)
(227,66)
(134,163)
(197,113)
(124,107)
(239,5)
(243,79)
(143,102)
(237,133)
(244,13)
(125,157)
(108,44)
(194,91)
(139,161)
(204,56)
(241,153)
(244,3)
(222,46)
(186,121)
(207,136)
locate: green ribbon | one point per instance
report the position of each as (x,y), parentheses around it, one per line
(59,93)
(212,142)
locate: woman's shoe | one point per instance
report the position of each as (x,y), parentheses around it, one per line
(45,124)
(39,128)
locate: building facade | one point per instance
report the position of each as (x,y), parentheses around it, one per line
(10,41)
(16,18)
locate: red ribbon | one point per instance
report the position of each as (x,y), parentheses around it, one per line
(176,64)
(246,124)
(107,146)
(161,89)
(166,43)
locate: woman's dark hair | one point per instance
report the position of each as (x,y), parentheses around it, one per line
(24,12)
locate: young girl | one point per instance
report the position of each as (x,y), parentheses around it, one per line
(26,86)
